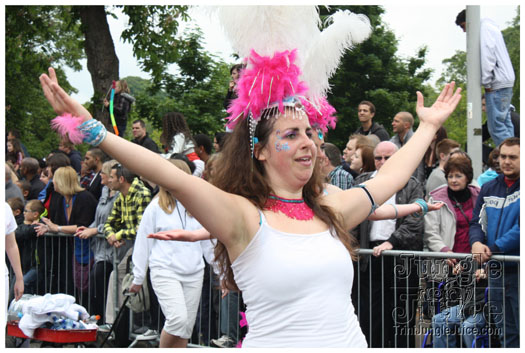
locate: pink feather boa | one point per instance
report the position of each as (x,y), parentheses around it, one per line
(321,115)
(269,80)
(66,125)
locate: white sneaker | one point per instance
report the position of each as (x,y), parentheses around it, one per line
(149,335)
(223,342)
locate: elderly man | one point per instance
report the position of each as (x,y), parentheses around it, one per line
(380,275)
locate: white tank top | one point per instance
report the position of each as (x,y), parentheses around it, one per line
(297,288)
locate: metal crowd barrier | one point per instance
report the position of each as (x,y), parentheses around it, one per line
(398,282)
(396,295)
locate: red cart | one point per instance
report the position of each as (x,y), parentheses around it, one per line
(77,337)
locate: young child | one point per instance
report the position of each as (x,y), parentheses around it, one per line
(17,206)
(27,243)
(25,186)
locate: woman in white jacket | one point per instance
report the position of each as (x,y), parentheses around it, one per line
(176,268)
(446,230)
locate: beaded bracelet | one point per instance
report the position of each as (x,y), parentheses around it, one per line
(94,132)
(424,208)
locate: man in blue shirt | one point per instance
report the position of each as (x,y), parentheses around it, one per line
(495,229)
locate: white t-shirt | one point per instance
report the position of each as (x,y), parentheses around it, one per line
(382,230)
(184,259)
(10,226)
(297,289)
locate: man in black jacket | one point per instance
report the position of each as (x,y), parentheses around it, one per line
(94,159)
(365,112)
(141,136)
(376,276)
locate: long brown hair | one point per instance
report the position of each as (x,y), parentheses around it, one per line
(238,173)
(172,124)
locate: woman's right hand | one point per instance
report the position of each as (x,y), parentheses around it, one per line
(59,99)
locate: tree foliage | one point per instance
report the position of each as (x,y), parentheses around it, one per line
(373,71)
(196,90)
(153,33)
(36,37)
(41,36)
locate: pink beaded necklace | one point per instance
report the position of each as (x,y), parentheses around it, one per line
(292,208)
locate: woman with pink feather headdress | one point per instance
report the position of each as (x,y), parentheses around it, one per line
(282,242)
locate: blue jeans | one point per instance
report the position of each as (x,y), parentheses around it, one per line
(30,281)
(230,315)
(445,326)
(498,114)
(504,299)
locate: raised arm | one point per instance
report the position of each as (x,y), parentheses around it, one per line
(394,174)
(231,218)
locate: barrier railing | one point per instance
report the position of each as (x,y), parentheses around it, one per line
(395,295)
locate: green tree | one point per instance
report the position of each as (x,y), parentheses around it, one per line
(40,36)
(373,71)
(197,89)
(455,70)
(36,37)
(151,29)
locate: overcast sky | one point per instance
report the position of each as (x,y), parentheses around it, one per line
(414,25)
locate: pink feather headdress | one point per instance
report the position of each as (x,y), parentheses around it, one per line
(267,83)
(320,115)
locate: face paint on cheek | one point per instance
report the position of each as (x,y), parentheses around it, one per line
(278,146)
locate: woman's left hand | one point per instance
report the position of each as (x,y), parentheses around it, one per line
(434,206)
(442,107)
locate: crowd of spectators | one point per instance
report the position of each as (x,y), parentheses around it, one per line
(108,211)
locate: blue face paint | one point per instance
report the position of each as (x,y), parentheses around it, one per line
(281,146)
(320,134)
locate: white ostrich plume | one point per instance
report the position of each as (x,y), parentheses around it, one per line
(268,29)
